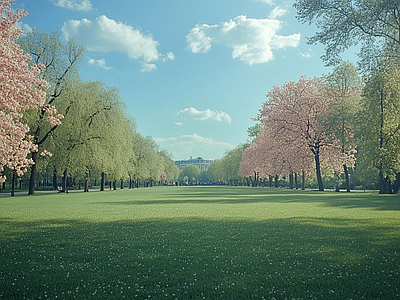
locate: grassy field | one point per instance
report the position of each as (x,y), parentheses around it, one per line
(200,243)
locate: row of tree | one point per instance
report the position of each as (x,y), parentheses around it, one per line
(340,121)
(54,124)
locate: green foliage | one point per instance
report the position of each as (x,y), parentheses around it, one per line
(191,172)
(378,129)
(342,24)
(227,168)
(253,132)
(212,242)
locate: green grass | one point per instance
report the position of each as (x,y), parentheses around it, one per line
(200,243)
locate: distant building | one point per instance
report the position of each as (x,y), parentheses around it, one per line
(199,162)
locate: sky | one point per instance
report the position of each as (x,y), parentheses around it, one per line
(193,74)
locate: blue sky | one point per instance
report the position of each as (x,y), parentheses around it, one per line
(192,73)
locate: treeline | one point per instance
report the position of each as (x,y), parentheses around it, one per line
(83,133)
(345,123)
(336,131)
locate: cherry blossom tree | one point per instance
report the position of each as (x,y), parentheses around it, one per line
(292,115)
(21,88)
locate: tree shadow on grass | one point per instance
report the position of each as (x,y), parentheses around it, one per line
(307,258)
(240,195)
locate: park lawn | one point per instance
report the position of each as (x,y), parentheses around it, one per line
(200,243)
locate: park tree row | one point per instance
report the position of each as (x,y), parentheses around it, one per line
(54,124)
(338,121)
(321,128)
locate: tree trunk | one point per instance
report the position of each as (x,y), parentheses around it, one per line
(103,181)
(346,175)
(396,184)
(318,170)
(338,184)
(115,184)
(296,182)
(13,184)
(388,185)
(55,178)
(382,183)
(86,188)
(64,180)
(291,181)
(276,180)
(32,178)
(303,175)
(122,184)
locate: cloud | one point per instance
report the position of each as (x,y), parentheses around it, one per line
(84,5)
(308,54)
(252,40)
(270,2)
(178,123)
(147,67)
(162,140)
(185,146)
(194,114)
(100,63)
(277,12)
(23,26)
(106,35)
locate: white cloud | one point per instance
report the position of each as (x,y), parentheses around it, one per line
(308,54)
(84,5)
(194,114)
(277,12)
(106,35)
(147,67)
(252,40)
(270,2)
(195,140)
(193,145)
(100,63)
(168,56)
(162,140)
(178,123)
(23,26)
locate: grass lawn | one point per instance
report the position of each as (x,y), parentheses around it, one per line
(200,243)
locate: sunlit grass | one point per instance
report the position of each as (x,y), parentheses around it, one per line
(200,243)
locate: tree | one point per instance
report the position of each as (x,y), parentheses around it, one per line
(169,169)
(343,24)
(191,172)
(21,88)
(61,60)
(229,165)
(292,115)
(378,130)
(253,132)
(344,86)
(94,133)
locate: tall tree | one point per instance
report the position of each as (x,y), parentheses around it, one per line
(292,114)
(344,86)
(378,131)
(21,88)
(93,131)
(343,24)
(61,60)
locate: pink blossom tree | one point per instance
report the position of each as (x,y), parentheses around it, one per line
(21,88)
(292,115)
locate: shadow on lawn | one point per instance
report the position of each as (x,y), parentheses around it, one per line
(195,259)
(258,195)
